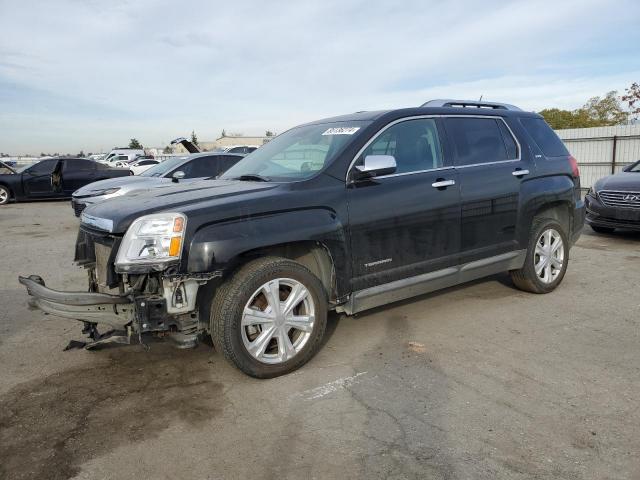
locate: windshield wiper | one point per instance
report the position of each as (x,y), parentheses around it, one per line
(252,177)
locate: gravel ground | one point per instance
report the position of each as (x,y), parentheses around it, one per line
(480,381)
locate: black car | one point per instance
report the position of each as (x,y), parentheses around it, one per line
(53,178)
(345,214)
(614,201)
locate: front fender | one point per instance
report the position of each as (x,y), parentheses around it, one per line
(218,246)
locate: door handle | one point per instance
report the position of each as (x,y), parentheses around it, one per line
(520,173)
(443,183)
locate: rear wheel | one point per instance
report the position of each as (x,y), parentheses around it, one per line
(5,195)
(602,229)
(269,318)
(547,258)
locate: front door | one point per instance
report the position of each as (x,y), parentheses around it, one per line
(37,180)
(490,170)
(406,223)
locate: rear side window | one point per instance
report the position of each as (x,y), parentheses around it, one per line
(76,164)
(545,137)
(200,167)
(509,142)
(227,162)
(481,140)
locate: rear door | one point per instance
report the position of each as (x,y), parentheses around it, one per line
(405,224)
(491,170)
(37,180)
(76,173)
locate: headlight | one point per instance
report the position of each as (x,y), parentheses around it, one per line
(152,240)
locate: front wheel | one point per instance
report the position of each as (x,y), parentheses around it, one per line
(547,258)
(5,195)
(269,318)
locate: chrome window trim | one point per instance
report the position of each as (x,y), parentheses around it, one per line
(419,117)
(487,163)
(415,172)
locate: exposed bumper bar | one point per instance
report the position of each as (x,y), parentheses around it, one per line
(36,288)
(113,310)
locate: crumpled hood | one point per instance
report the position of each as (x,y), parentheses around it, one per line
(624,181)
(209,195)
(96,188)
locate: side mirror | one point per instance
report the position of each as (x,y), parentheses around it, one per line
(375,166)
(175,178)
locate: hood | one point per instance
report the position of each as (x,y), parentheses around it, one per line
(96,188)
(204,195)
(8,167)
(624,181)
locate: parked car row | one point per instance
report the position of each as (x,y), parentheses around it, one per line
(192,167)
(53,178)
(346,214)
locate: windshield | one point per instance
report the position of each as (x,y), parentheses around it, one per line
(635,167)
(163,168)
(298,153)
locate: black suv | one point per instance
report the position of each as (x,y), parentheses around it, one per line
(345,214)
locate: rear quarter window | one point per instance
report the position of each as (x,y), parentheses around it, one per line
(545,137)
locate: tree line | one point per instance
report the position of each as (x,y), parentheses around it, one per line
(598,111)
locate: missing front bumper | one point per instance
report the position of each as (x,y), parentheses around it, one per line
(116,311)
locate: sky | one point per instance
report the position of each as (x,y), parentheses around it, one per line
(89,74)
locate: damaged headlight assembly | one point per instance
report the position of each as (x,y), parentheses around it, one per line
(151,242)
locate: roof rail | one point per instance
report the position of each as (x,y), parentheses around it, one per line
(447,102)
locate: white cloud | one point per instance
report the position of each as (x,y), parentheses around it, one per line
(89,75)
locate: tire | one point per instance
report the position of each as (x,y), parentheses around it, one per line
(250,287)
(526,278)
(602,229)
(5,195)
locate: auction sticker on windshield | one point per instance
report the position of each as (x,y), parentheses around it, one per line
(341,131)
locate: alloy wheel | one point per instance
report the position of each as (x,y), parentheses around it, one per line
(549,256)
(277,321)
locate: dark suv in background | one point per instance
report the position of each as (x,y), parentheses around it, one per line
(345,214)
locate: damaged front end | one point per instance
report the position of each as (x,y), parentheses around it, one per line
(130,295)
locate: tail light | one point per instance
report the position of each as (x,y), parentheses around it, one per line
(574,167)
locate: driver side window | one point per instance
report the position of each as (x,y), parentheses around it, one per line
(413,143)
(44,167)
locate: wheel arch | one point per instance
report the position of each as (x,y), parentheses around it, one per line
(12,194)
(551,196)
(314,238)
(313,255)
(559,211)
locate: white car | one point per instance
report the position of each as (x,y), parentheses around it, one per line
(141,165)
(119,154)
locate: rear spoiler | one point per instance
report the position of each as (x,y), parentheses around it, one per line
(188,145)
